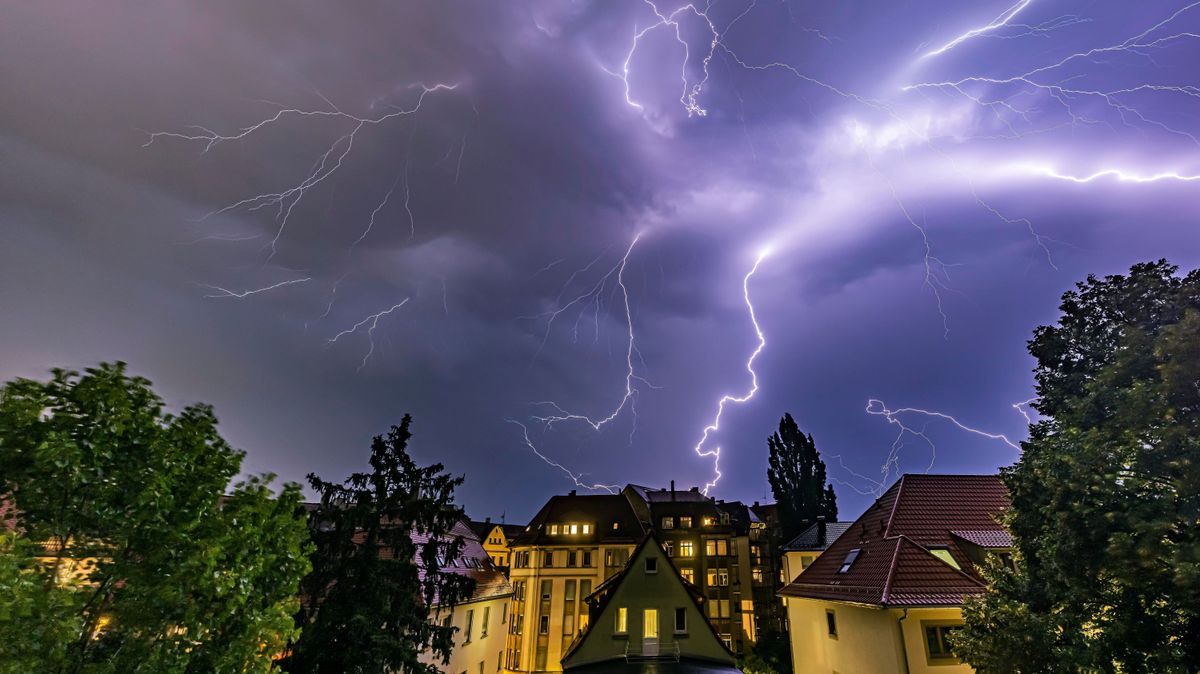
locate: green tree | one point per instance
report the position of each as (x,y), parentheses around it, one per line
(382,539)
(1106,495)
(149,568)
(797,476)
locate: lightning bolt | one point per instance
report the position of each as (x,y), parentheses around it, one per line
(286,200)
(574,477)
(996,23)
(371,322)
(715,425)
(1119,175)
(242,294)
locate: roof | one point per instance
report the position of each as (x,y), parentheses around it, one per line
(611,515)
(810,538)
(682,666)
(484,527)
(985,538)
(652,495)
(895,536)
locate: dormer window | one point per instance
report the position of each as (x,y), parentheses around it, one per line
(944,555)
(849,561)
(553,529)
(587,529)
(574,529)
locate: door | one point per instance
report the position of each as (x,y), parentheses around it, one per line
(650,632)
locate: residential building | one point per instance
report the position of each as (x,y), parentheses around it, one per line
(884,596)
(570,547)
(482,620)
(802,550)
(647,617)
(495,537)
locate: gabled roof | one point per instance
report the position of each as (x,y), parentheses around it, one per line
(810,539)
(484,527)
(894,538)
(603,511)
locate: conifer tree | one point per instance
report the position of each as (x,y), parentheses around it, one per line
(797,476)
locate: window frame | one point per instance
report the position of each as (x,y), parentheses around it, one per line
(680,612)
(940,625)
(831,626)
(621,621)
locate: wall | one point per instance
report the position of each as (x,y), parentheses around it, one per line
(914,639)
(868,639)
(488,650)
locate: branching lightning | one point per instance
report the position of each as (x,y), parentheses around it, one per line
(996,23)
(575,477)
(371,322)
(713,427)
(242,294)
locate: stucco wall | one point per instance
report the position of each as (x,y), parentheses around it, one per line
(489,650)
(914,639)
(868,640)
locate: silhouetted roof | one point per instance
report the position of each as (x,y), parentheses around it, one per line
(810,538)
(602,511)
(484,527)
(894,565)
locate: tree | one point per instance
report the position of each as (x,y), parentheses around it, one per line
(382,539)
(147,567)
(797,476)
(1106,495)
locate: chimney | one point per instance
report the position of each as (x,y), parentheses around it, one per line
(695,490)
(487,520)
(672,491)
(821,531)
(572,493)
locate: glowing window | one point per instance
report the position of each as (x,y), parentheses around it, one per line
(622,626)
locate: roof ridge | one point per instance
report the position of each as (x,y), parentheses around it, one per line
(887,583)
(895,504)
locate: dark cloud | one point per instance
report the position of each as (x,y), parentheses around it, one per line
(533,168)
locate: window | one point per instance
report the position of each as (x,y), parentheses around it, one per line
(650,623)
(685,522)
(669,547)
(548,559)
(714,547)
(616,526)
(544,624)
(688,574)
(725,518)
(652,565)
(553,529)
(707,521)
(569,591)
(937,646)
(668,522)
(756,576)
(483,628)
(687,549)
(574,529)
(569,624)
(831,623)
(622,626)
(481,667)
(681,621)
(572,558)
(849,561)
(504,613)
(944,555)
(587,528)
(499,661)
(718,608)
(547,585)
(467,629)
(587,558)
(718,577)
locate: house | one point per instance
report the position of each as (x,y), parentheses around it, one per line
(576,542)
(495,537)
(482,619)
(884,596)
(802,550)
(648,618)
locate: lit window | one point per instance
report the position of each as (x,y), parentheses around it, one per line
(668,522)
(574,528)
(669,547)
(622,626)
(685,522)
(944,555)
(587,529)
(849,561)
(707,521)
(831,622)
(756,575)
(615,526)
(716,547)
(687,549)
(688,574)
(553,529)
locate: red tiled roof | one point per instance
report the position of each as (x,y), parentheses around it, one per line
(894,536)
(985,538)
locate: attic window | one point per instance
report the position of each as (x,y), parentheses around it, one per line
(944,555)
(849,561)
(615,525)
(651,565)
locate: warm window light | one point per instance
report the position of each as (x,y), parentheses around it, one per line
(622,620)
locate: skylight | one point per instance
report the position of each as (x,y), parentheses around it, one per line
(849,561)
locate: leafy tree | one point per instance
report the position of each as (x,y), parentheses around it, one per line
(797,476)
(771,655)
(1106,496)
(382,539)
(142,568)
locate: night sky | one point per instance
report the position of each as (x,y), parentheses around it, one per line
(924,202)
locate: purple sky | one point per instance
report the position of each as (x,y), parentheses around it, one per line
(925,201)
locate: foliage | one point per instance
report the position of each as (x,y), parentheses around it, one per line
(382,539)
(1106,497)
(797,476)
(143,568)
(771,655)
